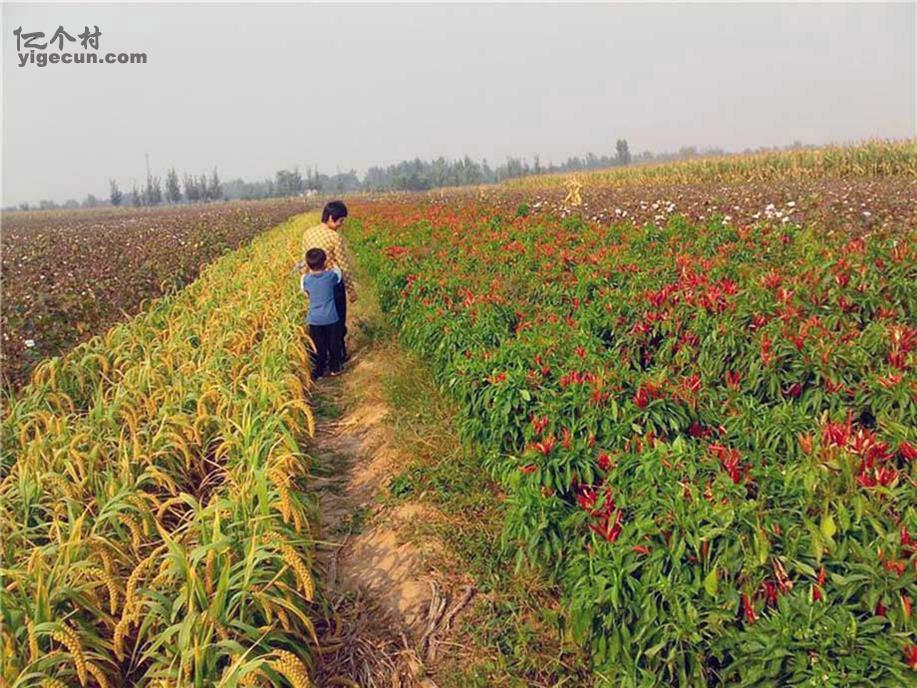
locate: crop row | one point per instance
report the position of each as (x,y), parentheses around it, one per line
(705,431)
(155,524)
(68,275)
(871,159)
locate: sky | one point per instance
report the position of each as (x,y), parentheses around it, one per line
(253,88)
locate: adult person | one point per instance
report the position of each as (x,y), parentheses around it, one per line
(326,236)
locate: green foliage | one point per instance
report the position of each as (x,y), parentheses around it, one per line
(705,432)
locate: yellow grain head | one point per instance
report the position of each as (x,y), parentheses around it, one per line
(292,668)
(136,533)
(69,639)
(96,672)
(293,560)
(208,571)
(111,585)
(52,683)
(121,629)
(33,642)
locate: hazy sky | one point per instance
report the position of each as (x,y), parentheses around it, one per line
(254,88)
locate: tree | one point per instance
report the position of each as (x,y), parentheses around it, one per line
(313,180)
(623,157)
(115,196)
(173,190)
(192,192)
(90,201)
(289,183)
(152,193)
(203,188)
(215,190)
(136,198)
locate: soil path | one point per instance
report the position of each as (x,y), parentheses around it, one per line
(390,608)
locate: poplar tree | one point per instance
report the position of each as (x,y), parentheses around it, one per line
(173,190)
(115,196)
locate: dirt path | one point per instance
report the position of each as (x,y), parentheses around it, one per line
(391,607)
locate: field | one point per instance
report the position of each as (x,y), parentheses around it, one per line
(704,425)
(154,522)
(694,401)
(833,205)
(873,159)
(68,275)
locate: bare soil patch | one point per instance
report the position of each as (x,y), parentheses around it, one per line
(391,606)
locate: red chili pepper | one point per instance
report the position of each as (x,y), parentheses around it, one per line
(886,475)
(907,451)
(748,609)
(697,430)
(770,593)
(805,443)
(586,498)
(641,549)
(539,424)
(837,434)
(604,461)
(641,398)
(545,446)
(899,567)
(910,656)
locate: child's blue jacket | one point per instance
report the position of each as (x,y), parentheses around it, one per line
(320,288)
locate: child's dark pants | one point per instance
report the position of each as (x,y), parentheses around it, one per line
(340,305)
(327,340)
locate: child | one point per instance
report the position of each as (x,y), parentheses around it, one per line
(324,324)
(327,237)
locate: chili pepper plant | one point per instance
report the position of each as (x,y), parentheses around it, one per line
(706,431)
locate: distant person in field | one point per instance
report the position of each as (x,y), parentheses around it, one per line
(326,237)
(325,326)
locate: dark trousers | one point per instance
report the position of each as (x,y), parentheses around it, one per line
(340,304)
(327,356)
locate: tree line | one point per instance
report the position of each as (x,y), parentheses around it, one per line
(417,175)
(190,189)
(408,175)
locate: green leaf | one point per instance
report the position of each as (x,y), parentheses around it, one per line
(827,527)
(843,516)
(712,582)
(762,546)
